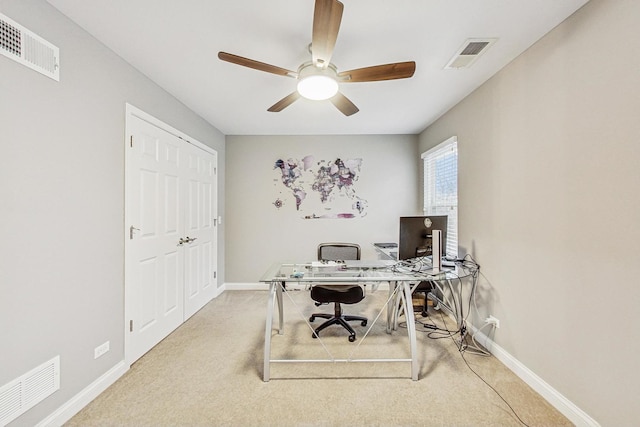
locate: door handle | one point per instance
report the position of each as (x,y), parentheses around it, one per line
(188,239)
(131,231)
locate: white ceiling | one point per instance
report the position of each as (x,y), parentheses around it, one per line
(175,43)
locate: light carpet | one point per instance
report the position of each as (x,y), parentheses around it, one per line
(209,373)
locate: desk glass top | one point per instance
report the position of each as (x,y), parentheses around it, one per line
(311,272)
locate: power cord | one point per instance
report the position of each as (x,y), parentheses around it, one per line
(433,331)
(494,390)
(462,349)
(437,332)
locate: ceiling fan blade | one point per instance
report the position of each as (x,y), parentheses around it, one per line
(284,102)
(398,70)
(343,104)
(326,24)
(256,65)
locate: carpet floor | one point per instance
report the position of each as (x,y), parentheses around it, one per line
(209,372)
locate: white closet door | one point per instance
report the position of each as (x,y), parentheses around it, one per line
(200,228)
(155,261)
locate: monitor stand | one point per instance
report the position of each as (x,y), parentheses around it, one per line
(436,250)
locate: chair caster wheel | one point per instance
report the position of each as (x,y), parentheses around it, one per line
(312,318)
(364,323)
(352,338)
(314,335)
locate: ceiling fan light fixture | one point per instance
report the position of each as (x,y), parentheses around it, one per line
(317,88)
(317,83)
(319,79)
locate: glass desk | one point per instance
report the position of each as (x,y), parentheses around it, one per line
(401,279)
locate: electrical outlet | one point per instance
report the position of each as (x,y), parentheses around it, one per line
(100,350)
(493,321)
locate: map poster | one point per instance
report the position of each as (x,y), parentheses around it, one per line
(319,188)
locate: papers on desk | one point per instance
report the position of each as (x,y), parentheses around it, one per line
(360,263)
(375,263)
(325,263)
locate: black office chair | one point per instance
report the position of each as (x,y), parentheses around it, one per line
(425,287)
(337,294)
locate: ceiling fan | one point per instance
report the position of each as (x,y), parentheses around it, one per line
(318,79)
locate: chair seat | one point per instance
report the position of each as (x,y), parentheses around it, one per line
(343,294)
(337,294)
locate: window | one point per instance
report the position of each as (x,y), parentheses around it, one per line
(441,187)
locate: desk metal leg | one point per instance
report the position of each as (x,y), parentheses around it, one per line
(411,329)
(275,294)
(459,309)
(396,298)
(279,290)
(267,331)
(391,307)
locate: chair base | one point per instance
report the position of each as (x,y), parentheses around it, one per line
(340,320)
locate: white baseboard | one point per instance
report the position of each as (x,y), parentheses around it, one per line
(246,286)
(219,291)
(551,395)
(82,399)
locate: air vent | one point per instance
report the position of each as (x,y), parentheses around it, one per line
(25,392)
(469,53)
(27,48)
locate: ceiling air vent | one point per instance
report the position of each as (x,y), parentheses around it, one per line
(27,48)
(469,53)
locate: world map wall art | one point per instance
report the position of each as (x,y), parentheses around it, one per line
(319,189)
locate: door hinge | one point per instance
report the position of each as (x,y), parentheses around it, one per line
(215,274)
(131,141)
(215,222)
(130,325)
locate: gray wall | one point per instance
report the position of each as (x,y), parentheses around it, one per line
(259,232)
(549,155)
(549,179)
(62,202)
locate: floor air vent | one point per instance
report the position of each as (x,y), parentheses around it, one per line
(27,48)
(25,392)
(469,53)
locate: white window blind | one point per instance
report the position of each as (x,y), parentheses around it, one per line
(441,187)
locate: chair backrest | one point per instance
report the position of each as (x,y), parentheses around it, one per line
(338,251)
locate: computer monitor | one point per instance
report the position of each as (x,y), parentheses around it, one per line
(415,235)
